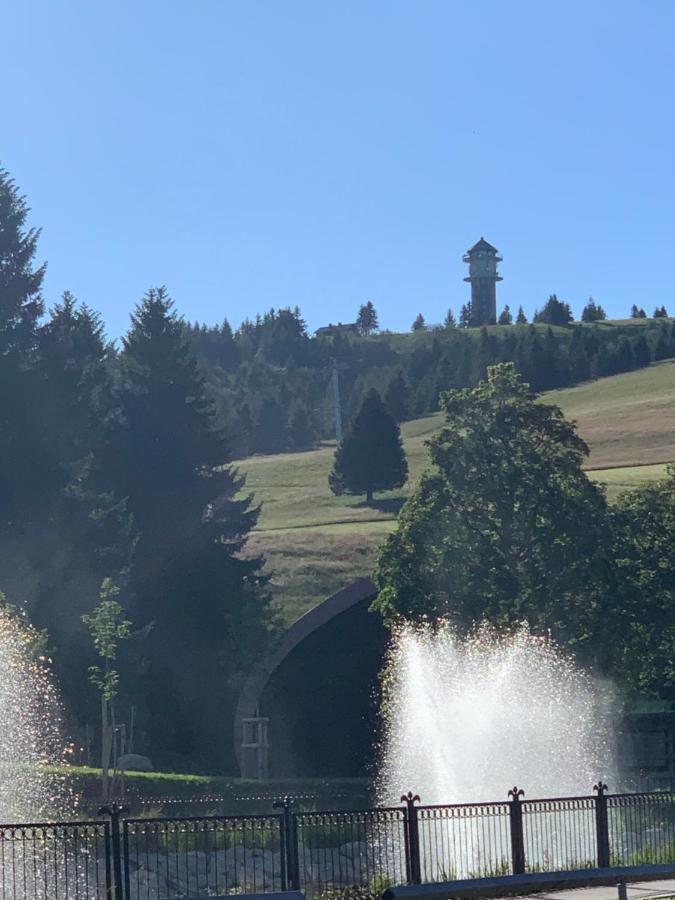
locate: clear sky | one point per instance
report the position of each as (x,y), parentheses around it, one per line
(256,154)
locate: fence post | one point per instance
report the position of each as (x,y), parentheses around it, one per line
(517,836)
(601,824)
(115,812)
(411,837)
(289,837)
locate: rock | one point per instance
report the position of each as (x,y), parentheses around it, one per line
(134,762)
(353,850)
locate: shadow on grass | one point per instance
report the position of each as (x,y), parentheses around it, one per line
(389,505)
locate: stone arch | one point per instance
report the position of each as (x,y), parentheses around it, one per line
(297,681)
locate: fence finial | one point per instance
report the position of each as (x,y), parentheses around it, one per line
(516,792)
(600,787)
(410,798)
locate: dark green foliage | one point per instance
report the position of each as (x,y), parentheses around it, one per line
(505,317)
(660,312)
(300,430)
(466,315)
(371,456)
(636,313)
(506,525)
(419,324)
(398,399)
(449,321)
(555,312)
(642,628)
(593,312)
(642,353)
(366,321)
(270,432)
(20,281)
(205,605)
(521,318)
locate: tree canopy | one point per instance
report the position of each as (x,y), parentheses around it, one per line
(506,525)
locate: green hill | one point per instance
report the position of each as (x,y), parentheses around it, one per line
(315,543)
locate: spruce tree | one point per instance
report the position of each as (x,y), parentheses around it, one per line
(397,398)
(20,281)
(300,431)
(371,456)
(366,321)
(521,318)
(643,355)
(554,312)
(466,315)
(270,432)
(202,600)
(593,312)
(505,317)
(419,324)
(449,321)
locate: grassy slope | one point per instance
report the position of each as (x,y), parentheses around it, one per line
(315,543)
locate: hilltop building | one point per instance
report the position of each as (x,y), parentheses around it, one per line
(340,328)
(483,277)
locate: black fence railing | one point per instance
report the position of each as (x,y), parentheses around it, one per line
(320,852)
(68,861)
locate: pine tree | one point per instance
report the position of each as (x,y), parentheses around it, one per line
(371,456)
(20,282)
(643,355)
(555,312)
(300,431)
(579,363)
(366,321)
(397,398)
(466,315)
(419,324)
(665,345)
(505,317)
(634,312)
(270,431)
(203,601)
(521,318)
(449,321)
(660,312)
(593,312)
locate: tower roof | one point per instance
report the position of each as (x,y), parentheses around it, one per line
(482,244)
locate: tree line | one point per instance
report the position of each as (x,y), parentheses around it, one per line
(271,383)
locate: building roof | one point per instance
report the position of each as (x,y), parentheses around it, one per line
(482,244)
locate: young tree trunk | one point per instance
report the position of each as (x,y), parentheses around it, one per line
(106,747)
(369,495)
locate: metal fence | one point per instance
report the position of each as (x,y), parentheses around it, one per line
(327,852)
(68,861)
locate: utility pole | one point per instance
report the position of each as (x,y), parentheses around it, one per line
(337,403)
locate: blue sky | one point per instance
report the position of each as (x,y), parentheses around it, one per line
(257,154)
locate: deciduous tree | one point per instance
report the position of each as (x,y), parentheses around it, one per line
(506,525)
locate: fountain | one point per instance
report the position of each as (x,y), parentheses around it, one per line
(30,742)
(467,718)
